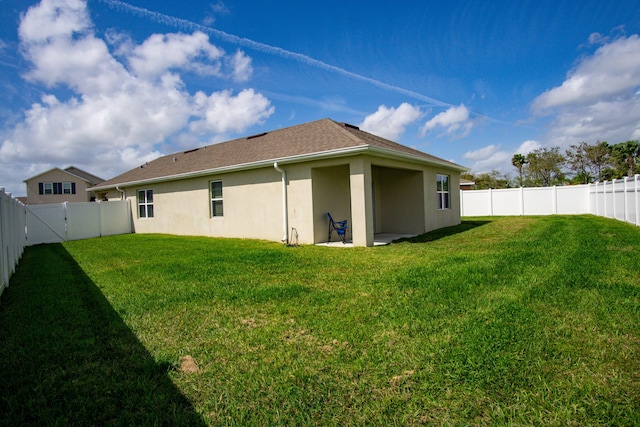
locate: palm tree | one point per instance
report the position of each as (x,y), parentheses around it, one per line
(518,160)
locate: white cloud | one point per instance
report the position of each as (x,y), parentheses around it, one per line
(162,52)
(481,153)
(114,118)
(241,66)
(224,112)
(391,122)
(599,100)
(54,18)
(493,157)
(219,8)
(527,147)
(455,121)
(488,159)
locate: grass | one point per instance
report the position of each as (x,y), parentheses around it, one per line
(499,321)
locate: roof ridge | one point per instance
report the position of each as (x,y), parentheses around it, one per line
(343,128)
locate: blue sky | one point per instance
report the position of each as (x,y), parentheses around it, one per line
(105,85)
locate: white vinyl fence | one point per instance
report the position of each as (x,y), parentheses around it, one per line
(60,222)
(618,199)
(12,236)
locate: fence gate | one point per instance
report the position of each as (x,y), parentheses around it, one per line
(55,223)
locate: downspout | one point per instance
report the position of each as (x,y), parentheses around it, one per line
(285,209)
(123,197)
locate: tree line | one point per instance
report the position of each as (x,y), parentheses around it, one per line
(582,163)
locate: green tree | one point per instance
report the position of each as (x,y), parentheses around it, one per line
(626,155)
(493,179)
(577,158)
(544,167)
(599,156)
(519,160)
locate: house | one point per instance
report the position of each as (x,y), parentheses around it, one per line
(61,185)
(466,184)
(281,183)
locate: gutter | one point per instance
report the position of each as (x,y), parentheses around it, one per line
(285,209)
(123,197)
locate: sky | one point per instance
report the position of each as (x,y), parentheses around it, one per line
(105,85)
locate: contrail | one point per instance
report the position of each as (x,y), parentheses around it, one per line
(265,48)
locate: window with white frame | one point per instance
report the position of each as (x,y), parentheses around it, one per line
(48,188)
(145,203)
(442,189)
(66,188)
(216,198)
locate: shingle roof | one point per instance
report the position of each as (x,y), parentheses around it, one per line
(78,173)
(92,179)
(318,138)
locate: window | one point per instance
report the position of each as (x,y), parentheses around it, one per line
(216,198)
(56,188)
(442,182)
(145,204)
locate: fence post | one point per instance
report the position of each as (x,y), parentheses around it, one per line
(635,184)
(521,200)
(624,200)
(491,202)
(4,262)
(604,199)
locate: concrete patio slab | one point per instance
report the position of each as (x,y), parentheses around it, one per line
(378,240)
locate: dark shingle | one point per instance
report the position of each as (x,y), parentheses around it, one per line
(322,136)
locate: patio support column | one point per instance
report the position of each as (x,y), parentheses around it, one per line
(429,201)
(361,201)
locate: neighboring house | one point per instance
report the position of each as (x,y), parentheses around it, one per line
(466,184)
(274,184)
(61,185)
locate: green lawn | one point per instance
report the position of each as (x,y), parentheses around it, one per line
(517,321)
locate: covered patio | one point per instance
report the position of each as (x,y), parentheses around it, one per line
(381,203)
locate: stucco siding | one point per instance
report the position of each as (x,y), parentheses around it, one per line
(438,218)
(401,196)
(398,195)
(331,194)
(251,203)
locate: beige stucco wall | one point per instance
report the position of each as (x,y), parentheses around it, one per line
(404,193)
(251,202)
(439,218)
(57,175)
(331,194)
(396,210)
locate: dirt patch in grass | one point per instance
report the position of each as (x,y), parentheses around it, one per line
(188,365)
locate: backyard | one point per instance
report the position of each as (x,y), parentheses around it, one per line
(518,320)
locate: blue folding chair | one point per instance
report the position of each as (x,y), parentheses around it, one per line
(339,227)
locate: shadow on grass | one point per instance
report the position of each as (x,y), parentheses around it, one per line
(443,232)
(67,358)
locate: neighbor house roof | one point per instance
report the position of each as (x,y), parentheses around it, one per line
(314,140)
(72,170)
(92,179)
